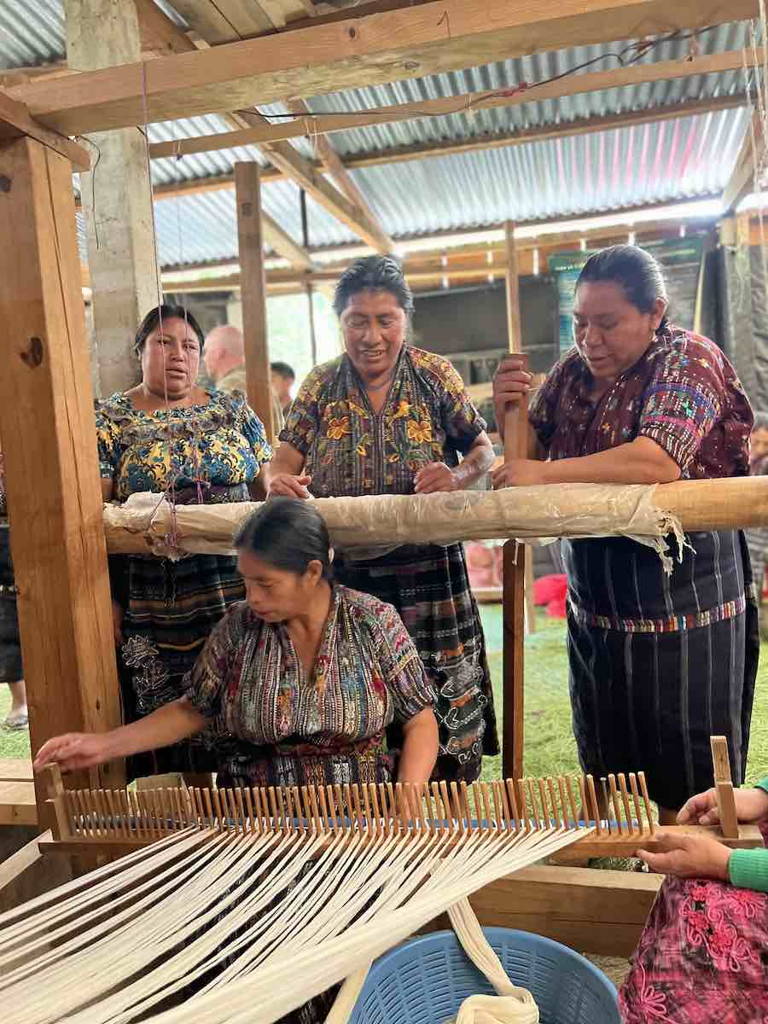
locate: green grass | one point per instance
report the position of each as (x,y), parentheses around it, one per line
(549,744)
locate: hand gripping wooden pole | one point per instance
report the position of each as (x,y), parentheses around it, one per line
(726,802)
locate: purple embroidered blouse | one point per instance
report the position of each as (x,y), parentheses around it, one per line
(682,393)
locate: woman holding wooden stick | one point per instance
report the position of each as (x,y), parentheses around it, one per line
(658,662)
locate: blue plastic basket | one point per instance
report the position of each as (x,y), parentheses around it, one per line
(425,981)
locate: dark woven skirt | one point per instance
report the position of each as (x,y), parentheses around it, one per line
(11,670)
(171,608)
(429,587)
(658,663)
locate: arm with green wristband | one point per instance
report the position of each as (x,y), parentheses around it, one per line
(704,857)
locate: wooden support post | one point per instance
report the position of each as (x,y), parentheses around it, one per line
(253,292)
(51,466)
(513,582)
(726,803)
(116,199)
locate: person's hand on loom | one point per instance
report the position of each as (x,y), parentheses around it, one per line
(688,857)
(74,751)
(751,807)
(433,477)
(510,383)
(288,486)
(519,473)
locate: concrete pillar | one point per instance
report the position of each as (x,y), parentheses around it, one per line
(116,198)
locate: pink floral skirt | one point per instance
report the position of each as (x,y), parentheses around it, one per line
(702,957)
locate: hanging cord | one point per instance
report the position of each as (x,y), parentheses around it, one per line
(172,536)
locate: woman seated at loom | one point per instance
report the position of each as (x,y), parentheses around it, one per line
(389,418)
(658,662)
(167,435)
(304,675)
(702,956)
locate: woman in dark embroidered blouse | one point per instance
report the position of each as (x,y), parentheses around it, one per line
(388,418)
(658,663)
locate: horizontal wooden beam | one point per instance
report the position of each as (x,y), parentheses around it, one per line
(589,910)
(311,125)
(16,121)
(439,36)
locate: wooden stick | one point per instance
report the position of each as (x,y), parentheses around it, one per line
(625,800)
(594,809)
(636,801)
(726,801)
(646,801)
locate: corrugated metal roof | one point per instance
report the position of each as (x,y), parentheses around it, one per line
(31,32)
(202,227)
(659,162)
(664,161)
(535,68)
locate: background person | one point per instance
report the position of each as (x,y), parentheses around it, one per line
(224,358)
(283,379)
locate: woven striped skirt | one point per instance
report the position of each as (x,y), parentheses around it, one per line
(429,587)
(658,662)
(170,609)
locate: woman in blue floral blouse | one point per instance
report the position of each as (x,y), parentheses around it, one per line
(388,418)
(169,436)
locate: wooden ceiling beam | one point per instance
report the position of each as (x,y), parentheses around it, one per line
(160,35)
(546,132)
(317,125)
(438,36)
(16,121)
(344,181)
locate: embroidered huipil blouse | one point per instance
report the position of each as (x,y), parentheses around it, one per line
(296,728)
(217,445)
(682,393)
(351,451)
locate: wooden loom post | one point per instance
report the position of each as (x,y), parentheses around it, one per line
(513,582)
(51,466)
(726,803)
(253,292)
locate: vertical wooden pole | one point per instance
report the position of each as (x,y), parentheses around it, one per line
(52,475)
(513,582)
(726,802)
(253,292)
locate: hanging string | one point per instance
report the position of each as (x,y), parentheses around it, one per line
(169,492)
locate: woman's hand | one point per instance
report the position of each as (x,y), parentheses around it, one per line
(117,621)
(74,751)
(287,485)
(688,857)
(751,806)
(434,477)
(511,383)
(519,473)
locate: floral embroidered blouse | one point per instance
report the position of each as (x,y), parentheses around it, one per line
(351,451)
(217,445)
(250,680)
(682,393)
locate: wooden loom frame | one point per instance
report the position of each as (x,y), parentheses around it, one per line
(58,544)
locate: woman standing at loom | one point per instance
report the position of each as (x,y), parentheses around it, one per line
(196,446)
(658,662)
(388,418)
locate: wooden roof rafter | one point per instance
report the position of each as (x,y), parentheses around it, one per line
(371,49)
(317,125)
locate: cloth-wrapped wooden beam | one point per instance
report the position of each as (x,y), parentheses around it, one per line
(150,525)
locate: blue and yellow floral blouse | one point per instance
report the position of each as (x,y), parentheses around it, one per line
(350,450)
(218,445)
